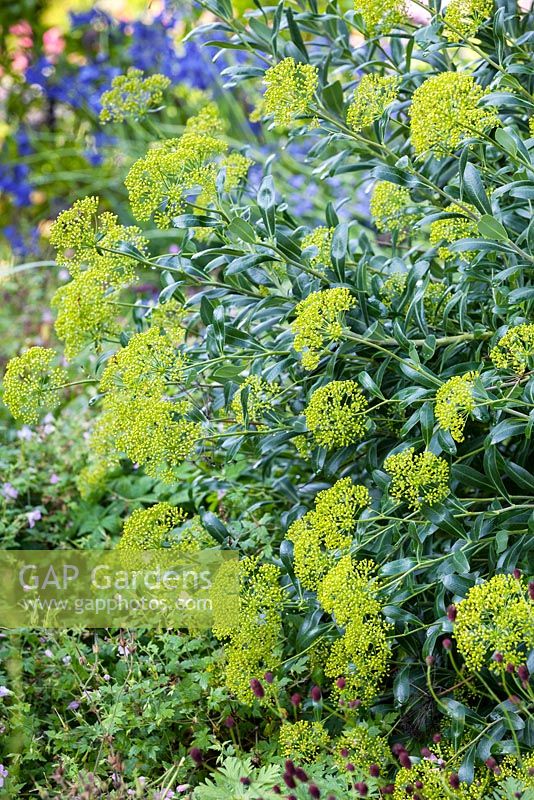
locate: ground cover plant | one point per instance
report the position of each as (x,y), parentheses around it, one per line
(341,392)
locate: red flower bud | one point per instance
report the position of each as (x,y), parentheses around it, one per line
(315,694)
(361,788)
(454,781)
(196,755)
(451,612)
(341,683)
(447,644)
(374,770)
(257,688)
(296,699)
(314,791)
(268,677)
(301,775)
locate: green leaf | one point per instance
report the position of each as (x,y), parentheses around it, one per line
(242,230)
(491,228)
(473,189)
(267,203)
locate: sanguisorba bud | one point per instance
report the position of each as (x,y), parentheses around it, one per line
(451,612)
(316,694)
(257,688)
(196,755)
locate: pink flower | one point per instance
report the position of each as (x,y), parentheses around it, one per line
(33,517)
(53,42)
(9,491)
(54,478)
(417,14)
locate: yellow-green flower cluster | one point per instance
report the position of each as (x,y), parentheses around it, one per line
(445,111)
(336,414)
(464,17)
(260,398)
(319,319)
(360,747)
(92,481)
(418,479)
(138,418)
(132,96)
(496,617)
(347,591)
(147,365)
(515,350)
(521,769)
(253,637)
(383,16)
(94,248)
(433,783)
(86,312)
(159,183)
(169,317)
(206,122)
(454,403)
(321,238)
(85,240)
(372,96)
(236,167)
(149,528)
(394,286)
(451,230)
(389,208)
(321,536)
(290,89)
(32,385)
(303,741)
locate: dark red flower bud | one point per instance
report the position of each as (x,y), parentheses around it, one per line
(425,752)
(451,612)
(292,797)
(245,781)
(454,781)
(315,694)
(289,781)
(350,767)
(523,673)
(515,699)
(341,683)
(355,703)
(531,590)
(196,755)
(277,790)
(531,771)
(290,767)
(296,699)
(517,573)
(361,788)
(257,688)
(498,657)
(301,775)
(268,677)
(388,789)
(229,722)
(374,770)
(436,738)
(430,661)
(404,760)
(447,644)
(344,752)
(510,668)
(397,748)
(314,790)
(418,784)
(491,763)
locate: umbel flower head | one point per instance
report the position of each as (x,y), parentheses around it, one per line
(253,637)
(336,414)
(464,17)
(303,740)
(152,431)
(360,747)
(86,312)
(86,240)
(446,110)
(394,286)
(319,321)
(454,403)
(389,208)
(290,89)
(147,365)
(132,96)
(360,656)
(254,397)
(321,536)
(162,526)
(418,479)
(381,17)
(496,617)
(515,350)
(168,317)
(320,238)
(32,385)
(451,230)
(437,782)
(372,96)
